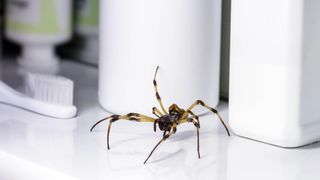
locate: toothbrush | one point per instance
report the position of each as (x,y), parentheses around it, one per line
(45,94)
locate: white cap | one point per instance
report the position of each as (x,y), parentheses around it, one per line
(39,58)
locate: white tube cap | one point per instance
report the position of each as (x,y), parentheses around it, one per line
(39,58)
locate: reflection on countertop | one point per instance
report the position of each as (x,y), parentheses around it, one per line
(66,146)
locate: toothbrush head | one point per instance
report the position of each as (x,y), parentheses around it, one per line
(51,89)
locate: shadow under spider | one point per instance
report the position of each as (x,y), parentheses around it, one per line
(184,135)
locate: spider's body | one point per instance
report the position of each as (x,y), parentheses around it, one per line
(167,121)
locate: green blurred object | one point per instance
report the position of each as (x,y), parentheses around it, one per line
(84,46)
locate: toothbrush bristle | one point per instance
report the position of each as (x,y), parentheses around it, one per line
(49,88)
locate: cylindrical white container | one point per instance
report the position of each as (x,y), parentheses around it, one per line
(181,36)
(38,25)
(87,26)
(275,70)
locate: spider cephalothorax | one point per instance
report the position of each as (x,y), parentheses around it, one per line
(167,121)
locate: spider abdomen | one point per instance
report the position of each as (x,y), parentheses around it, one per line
(165,122)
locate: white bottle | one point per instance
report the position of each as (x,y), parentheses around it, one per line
(87,26)
(181,36)
(275,70)
(38,25)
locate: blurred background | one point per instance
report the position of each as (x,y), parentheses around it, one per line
(81,43)
(82,46)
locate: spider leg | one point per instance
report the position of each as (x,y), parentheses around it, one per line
(195,121)
(104,119)
(155,125)
(165,136)
(130,116)
(142,118)
(199,102)
(165,133)
(195,117)
(157,92)
(156,112)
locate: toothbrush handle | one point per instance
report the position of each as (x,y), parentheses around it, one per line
(52,110)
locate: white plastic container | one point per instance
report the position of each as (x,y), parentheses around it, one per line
(181,36)
(275,70)
(38,25)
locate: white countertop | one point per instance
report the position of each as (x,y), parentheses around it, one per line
(37,147)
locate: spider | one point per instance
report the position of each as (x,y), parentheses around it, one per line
(167,121)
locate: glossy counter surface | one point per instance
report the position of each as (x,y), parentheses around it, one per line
(37,147)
